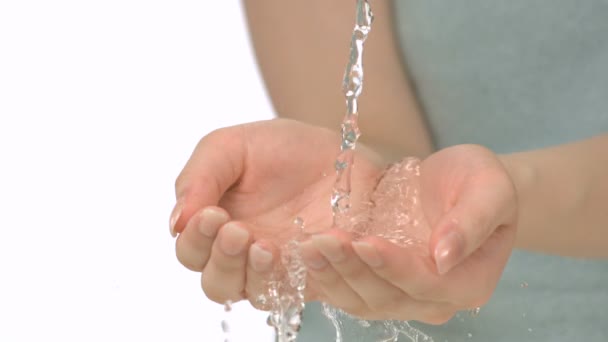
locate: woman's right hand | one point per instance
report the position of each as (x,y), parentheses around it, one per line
(238,196)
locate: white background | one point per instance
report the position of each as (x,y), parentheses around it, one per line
(101,104)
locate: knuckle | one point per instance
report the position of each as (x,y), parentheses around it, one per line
(225,137)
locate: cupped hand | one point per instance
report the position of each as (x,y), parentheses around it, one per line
(469,205)
(238,196)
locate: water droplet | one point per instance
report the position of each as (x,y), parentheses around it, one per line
(350,134)
(474,312)
(340,202)
(261,300)
(364,323)
(270,320)
(225,327)
(340,165)
(295,320)
(299,222)
(228,306)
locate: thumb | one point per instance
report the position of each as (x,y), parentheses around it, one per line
(483,206)
(215,165)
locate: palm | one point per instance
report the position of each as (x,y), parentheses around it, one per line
(288,173)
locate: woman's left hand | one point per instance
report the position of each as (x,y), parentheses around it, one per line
(469,203)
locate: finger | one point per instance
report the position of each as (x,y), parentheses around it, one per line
(193,246)
(332,286)
(402,307)
(259,273)
(414,272)
(486,203)
(376,292)
(214,166)
(224,275)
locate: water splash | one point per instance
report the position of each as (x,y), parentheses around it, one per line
(392,212)
(351,329)
(286,289)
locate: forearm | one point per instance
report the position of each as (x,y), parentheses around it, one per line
(563,198)
(302,49)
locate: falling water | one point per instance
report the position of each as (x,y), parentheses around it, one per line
(352,87)
(225,324)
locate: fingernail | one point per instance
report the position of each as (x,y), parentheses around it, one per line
(259,258)
(233,240)
(329,246)
(368,253)
(175,214)
(211,220)
(448,252)
(311,256)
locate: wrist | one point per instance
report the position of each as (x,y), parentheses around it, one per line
(524,177)
(522,173)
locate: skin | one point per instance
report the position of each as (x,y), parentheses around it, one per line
(240,191)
